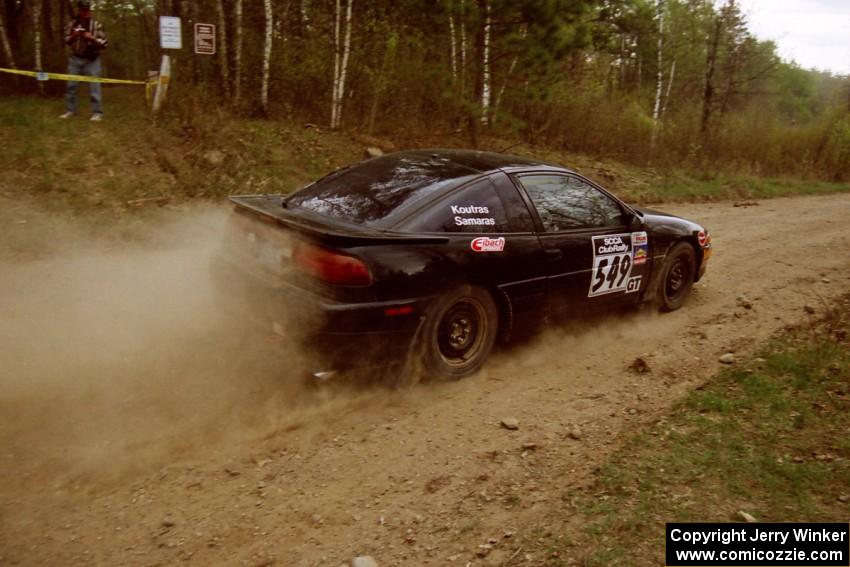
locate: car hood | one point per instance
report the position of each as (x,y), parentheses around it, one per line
(657,219)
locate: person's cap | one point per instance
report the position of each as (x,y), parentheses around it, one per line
(84,5)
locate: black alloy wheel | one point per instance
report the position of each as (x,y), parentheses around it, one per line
(677,277)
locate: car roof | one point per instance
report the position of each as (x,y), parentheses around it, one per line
(379,192)
(476,160)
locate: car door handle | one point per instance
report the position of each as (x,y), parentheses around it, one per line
(553,254)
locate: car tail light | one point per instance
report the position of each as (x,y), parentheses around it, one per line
(398,311)
(704,238)
(330,266)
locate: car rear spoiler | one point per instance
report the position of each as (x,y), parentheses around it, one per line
(269,208)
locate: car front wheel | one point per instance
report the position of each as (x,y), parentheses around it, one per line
(677,277)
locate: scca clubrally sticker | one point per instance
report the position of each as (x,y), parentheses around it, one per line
(612,264)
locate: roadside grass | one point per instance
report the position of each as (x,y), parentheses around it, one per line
(769,437)
(647,185)
(680,186)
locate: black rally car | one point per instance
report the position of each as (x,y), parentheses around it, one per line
(430,255)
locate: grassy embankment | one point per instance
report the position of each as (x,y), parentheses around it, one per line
(197,152)
(769,437)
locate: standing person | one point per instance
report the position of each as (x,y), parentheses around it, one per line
(86,38)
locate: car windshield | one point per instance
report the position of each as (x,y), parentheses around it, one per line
(379,191)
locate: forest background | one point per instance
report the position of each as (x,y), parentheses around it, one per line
(670,83)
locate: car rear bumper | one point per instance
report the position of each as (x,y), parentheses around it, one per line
(331,336)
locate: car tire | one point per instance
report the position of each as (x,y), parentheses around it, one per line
(458,334)
(677,277)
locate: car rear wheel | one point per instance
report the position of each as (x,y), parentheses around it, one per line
(677,277)
(459,333)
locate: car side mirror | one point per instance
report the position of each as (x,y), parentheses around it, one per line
(635,220)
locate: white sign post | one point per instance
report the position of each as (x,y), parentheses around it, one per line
(170,37)
(162,84)
(204,39)
(169,33)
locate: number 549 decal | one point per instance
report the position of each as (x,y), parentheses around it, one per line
(612,264)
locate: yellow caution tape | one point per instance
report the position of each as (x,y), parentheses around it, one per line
(80,78)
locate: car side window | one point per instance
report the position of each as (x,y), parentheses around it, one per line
(565,202)
(475,208)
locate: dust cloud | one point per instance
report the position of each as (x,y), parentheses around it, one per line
(117,357)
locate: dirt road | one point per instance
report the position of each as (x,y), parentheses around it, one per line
(140,428)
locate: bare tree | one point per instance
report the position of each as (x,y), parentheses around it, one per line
(344,68)
(485,67)
(453,43)
(462,47)
(669,88)
(237,48)
(305,14)
(341,54)
(7,47)
(523,32)
(222,48)
(337,54)
(267,53)
(659,79)
(710,66)
(36,22)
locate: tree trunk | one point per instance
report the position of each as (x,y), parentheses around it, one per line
(711,64)
(522,33)
(224,65)
(237,48)
(337,53)
(143,28)
(485,67)
(267,54)
(381,81)
(463,48)
(36,23)
(343,69)
(305,15)
(340,62)
(659,77)
(669,88)
(453,45)
(7,47)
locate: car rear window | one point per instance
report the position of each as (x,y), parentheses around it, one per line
(379,191)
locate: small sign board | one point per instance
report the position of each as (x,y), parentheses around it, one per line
(169,33)
(205,39)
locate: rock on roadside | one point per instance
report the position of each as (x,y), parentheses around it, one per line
(727,358)
(746,517)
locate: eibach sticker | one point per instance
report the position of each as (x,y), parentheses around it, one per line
(641,248)
(487,244)
(703,238)
(612,264)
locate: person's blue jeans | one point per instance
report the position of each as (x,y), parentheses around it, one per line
(82,66)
